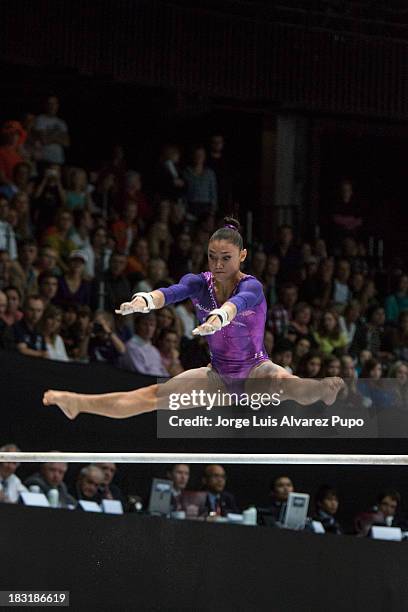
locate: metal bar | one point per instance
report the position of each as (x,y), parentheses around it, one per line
(238,458)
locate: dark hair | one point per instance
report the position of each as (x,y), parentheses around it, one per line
(13,288)
(323,493)
(368,366)
(44,275)
(231,234)
(392,493)
(274,481)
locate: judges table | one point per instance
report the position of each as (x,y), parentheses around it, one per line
(134,562)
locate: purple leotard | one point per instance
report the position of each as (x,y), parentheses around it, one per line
(239,346)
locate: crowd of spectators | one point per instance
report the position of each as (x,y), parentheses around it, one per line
(209,498)
(76,243)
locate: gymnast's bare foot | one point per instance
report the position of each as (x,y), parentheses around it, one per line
(331,387)
(63,399)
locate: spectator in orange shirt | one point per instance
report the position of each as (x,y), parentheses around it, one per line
(125,229)
(13,137)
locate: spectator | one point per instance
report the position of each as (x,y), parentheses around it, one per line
(168,344)
(258,264)
(77,194)
(6,332)
(270,280)
(218,501)
(83,226)
(317,289)
(371,386)
(341,290)
(384,513)
(348,321)
(331,366)
(167,319)
(299,326)
(289,255)
(186,313)
(141,356)
(283,354)
(10,484)
(159,240)
(179,474)
(113,288)
(198,262)
(397,302)
(20,204)
(7,235)
(346,219)
(72,286)
(24,268)
(47,287)
(395,341)
(169,182)
(180,256)
(105,343)
(309,365)
(329,336)
(88,484)
(53,133)
(51,476)
(108,489)
(13,313)
(97,253)
(125,230)
(47,261)
(50,325)
(79,335)
(399,371)
(139,257)
(279,492)
(49,196)
(29,340)
(13,136)
(201,184)
(59,237)
(301,348)
(218,163)
(281,313)
(327,505)
(156,276)
(134,193)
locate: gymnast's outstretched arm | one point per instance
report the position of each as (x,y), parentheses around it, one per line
(189,286)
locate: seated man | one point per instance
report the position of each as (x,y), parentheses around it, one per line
(88,483)
(179,474)
(273,512)
(108,489)
(327,503)
(218,500)
(29,340)
(10,484)
(385,513)
(51,476)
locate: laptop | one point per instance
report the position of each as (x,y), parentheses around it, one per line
(296,511)
(160,496)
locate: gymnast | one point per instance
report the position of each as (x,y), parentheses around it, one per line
(231,310)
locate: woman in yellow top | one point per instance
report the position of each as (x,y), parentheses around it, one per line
(329,336)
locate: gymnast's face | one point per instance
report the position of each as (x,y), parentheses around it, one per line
(224,259)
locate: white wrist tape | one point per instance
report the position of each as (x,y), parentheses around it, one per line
(222,314)
(148,299)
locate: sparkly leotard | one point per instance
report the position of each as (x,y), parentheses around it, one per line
(238,347)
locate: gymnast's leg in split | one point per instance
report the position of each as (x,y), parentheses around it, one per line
(126,404)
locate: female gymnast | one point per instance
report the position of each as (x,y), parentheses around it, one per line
(231,310)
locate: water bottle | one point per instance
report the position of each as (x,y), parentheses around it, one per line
(53,498)
(250,516)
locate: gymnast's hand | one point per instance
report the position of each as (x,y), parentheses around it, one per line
(138,304)
(209,327)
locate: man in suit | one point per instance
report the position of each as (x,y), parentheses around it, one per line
(218,500)
(108,489)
